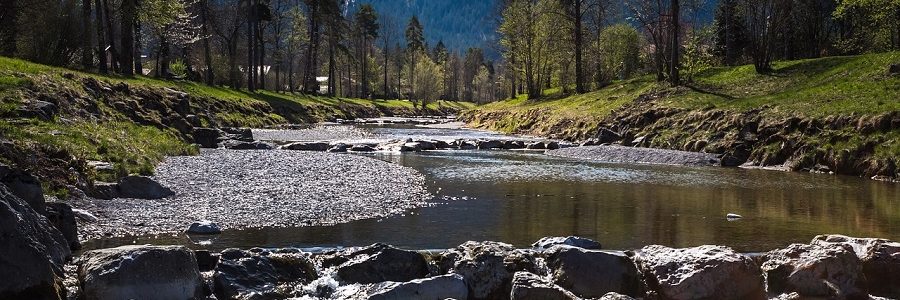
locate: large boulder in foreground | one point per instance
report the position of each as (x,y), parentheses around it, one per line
(487,267)
(63,218)
(828,270)
(261,274)
(591,273)
(140,272)
(704,272)
(528,286)
(450,286)
(32,252)
(24,185)
(379,263)
(880,260)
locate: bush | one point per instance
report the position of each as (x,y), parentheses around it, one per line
(620,49)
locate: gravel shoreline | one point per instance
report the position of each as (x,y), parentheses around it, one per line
(622,154)
(260,188)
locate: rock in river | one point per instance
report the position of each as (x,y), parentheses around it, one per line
(260,274)
(575,241)
(880,260)
(528,286)
(140,187)
(704,272)
(204,227)
(451,286)
(379,263)
(140,272)
(824,270)
(32,252)
(307,146)
(592,273)
(487,267)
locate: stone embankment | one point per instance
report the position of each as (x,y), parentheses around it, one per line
(830,267)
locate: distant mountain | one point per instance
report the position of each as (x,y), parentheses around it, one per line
(459,23)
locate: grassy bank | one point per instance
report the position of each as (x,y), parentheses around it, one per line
(134,123)
(840,103)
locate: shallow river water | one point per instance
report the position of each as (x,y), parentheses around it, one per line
(519,197)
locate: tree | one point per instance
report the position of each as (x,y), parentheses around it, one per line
(575,11)
(869,25)
(621,51)
(730,32)
(415,44)
(367,20)
(428,78)
(527,35)
(698,55)
(675,48)
(762,23)
(129,10)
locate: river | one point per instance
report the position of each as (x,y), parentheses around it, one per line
(520,196)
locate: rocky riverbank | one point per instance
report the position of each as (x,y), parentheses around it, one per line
(830,267)
(859,145)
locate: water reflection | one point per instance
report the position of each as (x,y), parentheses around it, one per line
(519,197)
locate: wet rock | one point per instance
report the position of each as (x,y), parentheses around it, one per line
(509,145)
(463,145)
(238,134)
(32,252)
(588,143)
(528,286)
(338,148)
(142,187)
(536,146)
(551,145)
(592,274)
(451,286)
(24,186)
(486,145)
(207,137)
(880,260)
(826,270)
(206,261)
(84,215)
(427,145)
(379,263)
(575,241)
(441,144)
(704,272)
(260,275)
(362,148)
(487,267)
(204,227)
(410,147)
(605,136)
(307,146)
(242,145)
(133,272)
(61,216)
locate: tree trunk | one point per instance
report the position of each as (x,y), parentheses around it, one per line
(138,64)
(674,77)
(261,51)
(331,70)
(109,37)
(102,65)
(579,45)
(207,54)
(251,43)
(87,52)
(312,52)
(127,57)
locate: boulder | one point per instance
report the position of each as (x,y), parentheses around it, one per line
(194,120)
(307,146)
(463,145)
(140,272)
(575,241)
(379,263)
(528,286)
(880,260)
(536,146)
(510,145)
(258,274)
(204,227)
(410,147)
(207,137)
(451,286)
(704,272)
(242,145)
(37,109)
(84,215)
(32,252)
(822,270)
(441,144)
(63,218)
(490,144)
(615,296)
(362,148)
(206,261)
(427,145)
(605,135)
(238,134)
(487,267)
(551,145)
(338,148)
(24,186)
(141,187)
(591,273)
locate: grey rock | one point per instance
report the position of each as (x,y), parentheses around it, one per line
(33,252)
(140,272)
(621,154)
(338,148)
(194,120)
(362,148)
(591,273)
(207,137)
(605,135)
(427,145)
(704,272)
(37,109)
(551,145)
(528,286)
(142,187)
(511,145)
(307,146)
(489,144)
(206,261)
(450,286)
(379,263)
(242,145)
(821,270)
(410,147)
(487,267)
(575,241)
(204,227)
(63,218)
(24,185)
(84,215)
(615,296)
(536,146)
(238,134)
(260,275)
(880,260)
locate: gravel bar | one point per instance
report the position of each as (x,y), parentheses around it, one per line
(261,188)
(622,154)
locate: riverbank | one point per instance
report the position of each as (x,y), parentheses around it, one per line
(833,115)
(831,266)
(61,124)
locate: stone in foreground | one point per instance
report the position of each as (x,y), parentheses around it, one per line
(574,241)
(449,286)
(592,273)
(32,252)
(828,270)
(880,260)
(260,274)
(487,267)
(140,272)
(379,263)
(704,272)
(528,286)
